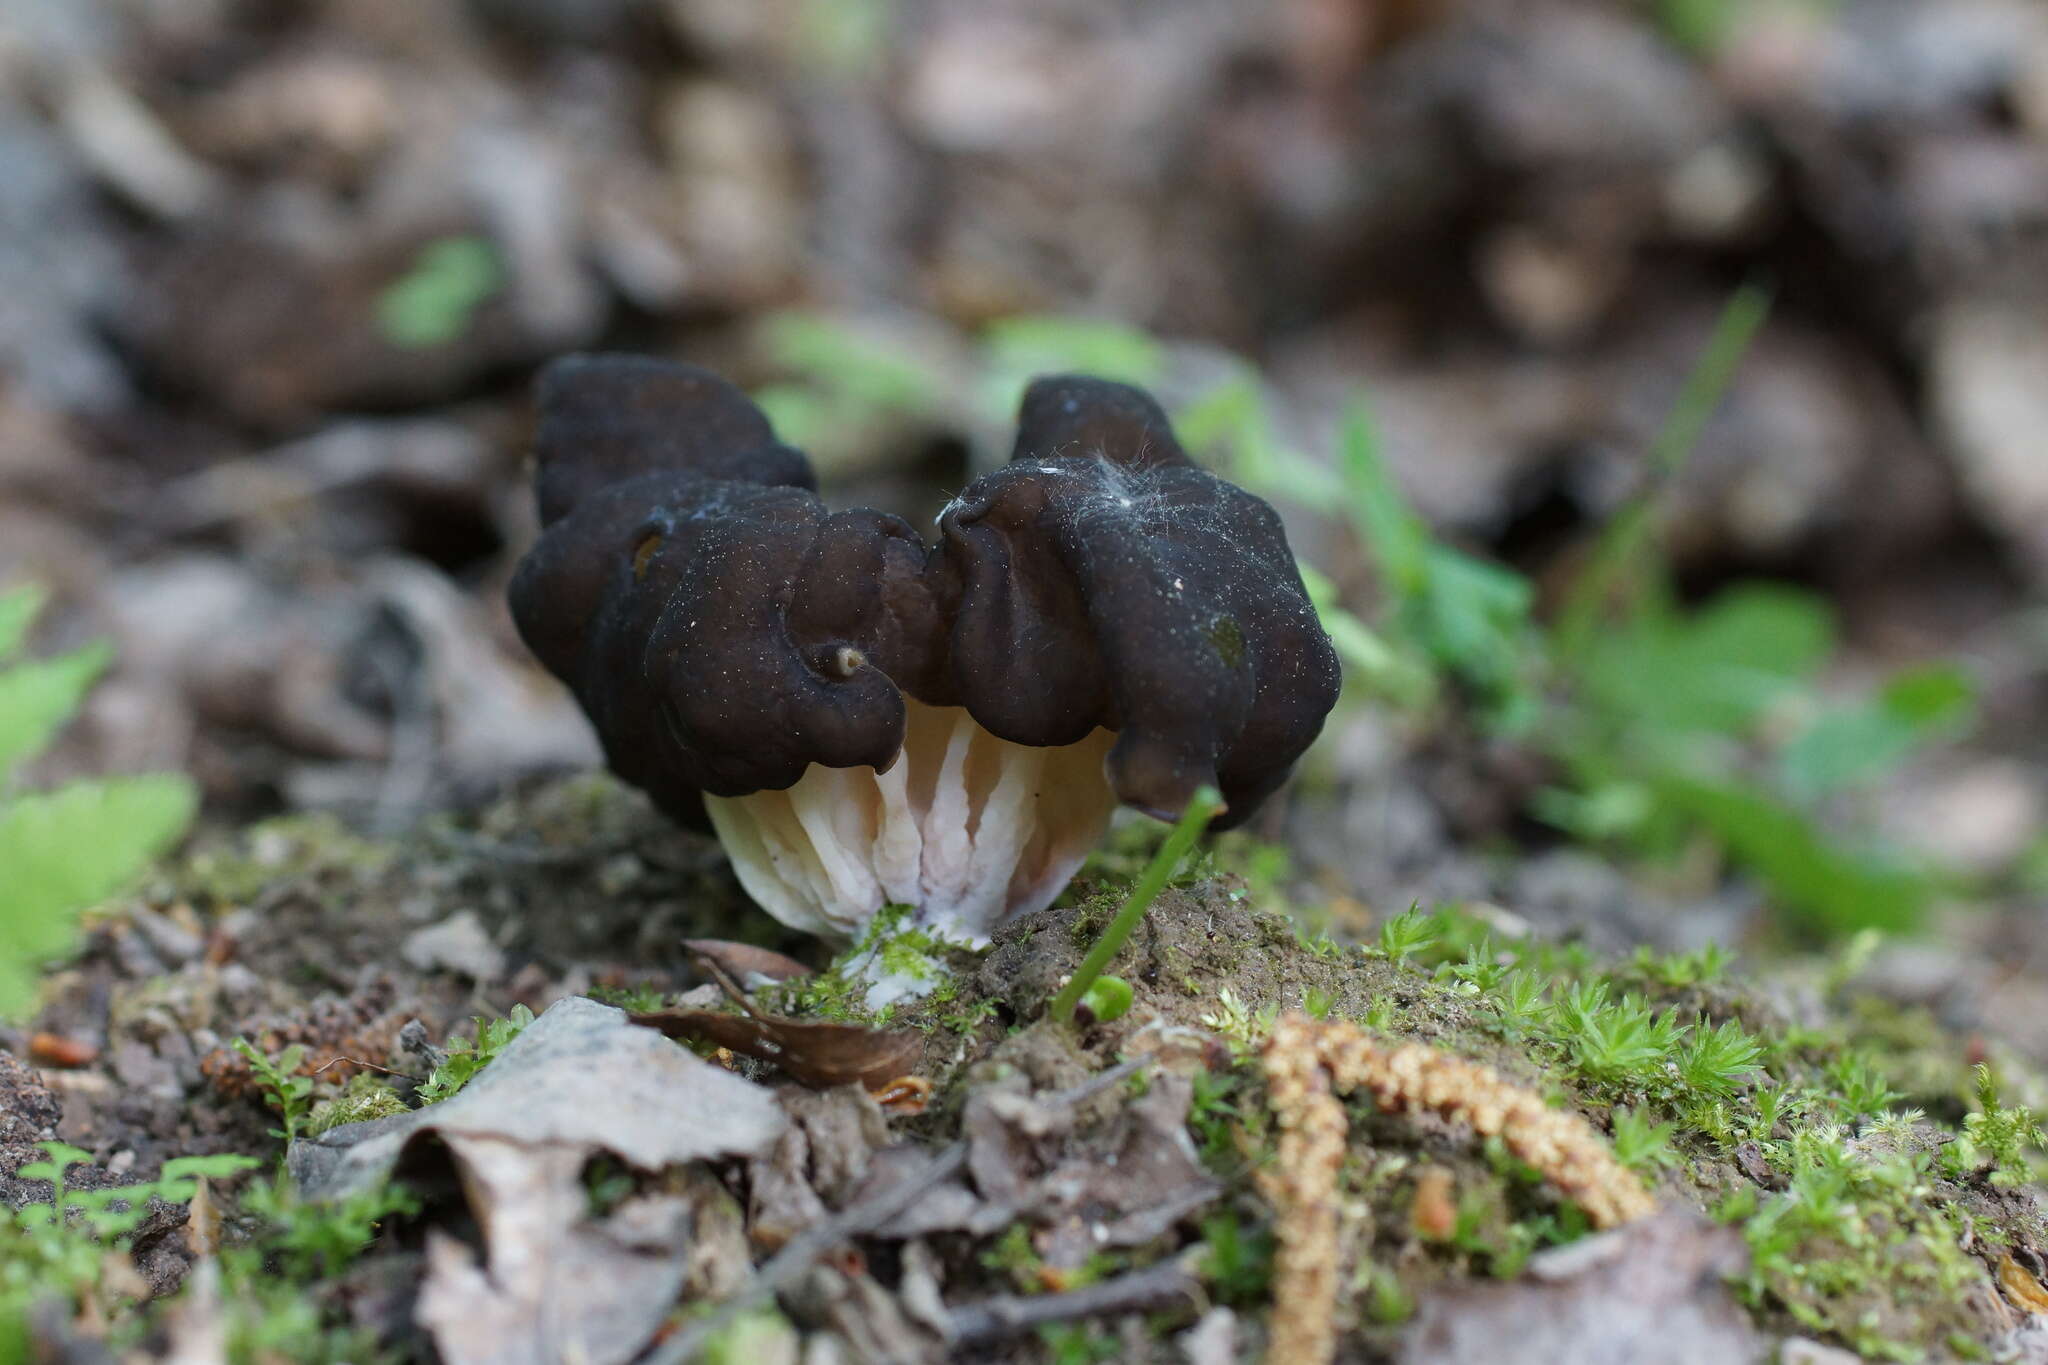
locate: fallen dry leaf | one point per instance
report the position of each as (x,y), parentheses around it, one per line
(552,1281)
(2021,1285)
(819,1055)
(553,1284)
(1122,1183)
(579,1074)
(744,961)
(1651,1293)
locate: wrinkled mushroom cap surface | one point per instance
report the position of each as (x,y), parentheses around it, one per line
(729,636)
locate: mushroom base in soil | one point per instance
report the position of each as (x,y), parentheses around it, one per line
(869,721)
(968,829)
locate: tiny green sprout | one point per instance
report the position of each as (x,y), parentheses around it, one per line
(1204,806)
(290,1094)
(1317,1002)
(1242,1026)
(1771,1106)
(1387,1302)
(1714,1060)
(1520,1004)
(1108,998)
(1407,934)
(1641,1143)
(644,998)
(1676,970)
(1616,1040)
(1860,1092)
(1236,1262)
(1481,971)
(2001,1133)
(465,1058)
(1379,1015)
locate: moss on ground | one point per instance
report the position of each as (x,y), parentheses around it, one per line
(1882,1182)
(1845,1141)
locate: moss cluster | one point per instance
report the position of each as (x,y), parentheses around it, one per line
(1876,1180)
(1870,1224)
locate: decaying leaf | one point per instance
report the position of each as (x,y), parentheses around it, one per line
(552,1281)
(1652,1293)
(2021,1285)
(553,1284)
(819,1055)
(1122,1185)
(745,962)
(865,1317)
(581,1075)
(819,1160)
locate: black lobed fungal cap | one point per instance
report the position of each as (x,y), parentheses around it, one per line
(724,631)
(605,418)
(1100,578)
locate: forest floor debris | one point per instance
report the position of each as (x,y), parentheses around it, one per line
(1067,1190)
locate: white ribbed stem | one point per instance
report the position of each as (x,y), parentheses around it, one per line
(970,829)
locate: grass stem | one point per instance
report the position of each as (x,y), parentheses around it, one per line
(1203,807)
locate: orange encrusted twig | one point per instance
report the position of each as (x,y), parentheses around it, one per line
(1308,1063)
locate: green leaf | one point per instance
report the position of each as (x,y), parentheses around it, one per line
(1468,616)
(67,850)
(1713,672)
(1626,573)
(36,698)
(1855,744)
(1017,349)
(1233,425)
(432,303)
(182,1174)
(1833,891)
(851,364)
(1389,529)
(1367,657)
(18,610)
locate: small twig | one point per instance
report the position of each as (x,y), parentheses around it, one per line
(367,1066)
(803,1251)
(725,982)
(1008,1315)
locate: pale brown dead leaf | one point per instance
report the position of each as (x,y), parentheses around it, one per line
(820,1055)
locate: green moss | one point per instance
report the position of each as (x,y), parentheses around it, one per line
(889,948)
(1871,1225)
(362,1099)
(290,848)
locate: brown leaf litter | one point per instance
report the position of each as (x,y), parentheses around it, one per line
(817,1054)
(814,1053)
(552,1280)
(1651,1293)
(338,1033)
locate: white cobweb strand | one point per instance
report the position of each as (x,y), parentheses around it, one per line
(969,829)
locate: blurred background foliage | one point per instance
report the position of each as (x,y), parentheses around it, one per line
(1651,388)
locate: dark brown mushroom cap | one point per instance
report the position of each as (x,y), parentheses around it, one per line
(1103,579)
(606,418)
(724,631)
